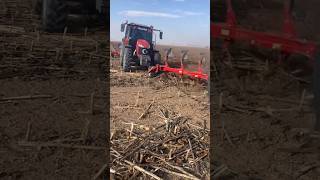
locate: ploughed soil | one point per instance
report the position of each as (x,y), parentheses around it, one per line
(130,98)
(49,126)
(262,111)
(139,101)
(132,92)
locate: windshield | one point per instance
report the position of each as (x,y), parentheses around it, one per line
(141,33)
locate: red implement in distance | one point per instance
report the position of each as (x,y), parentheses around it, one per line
(286,43)
(180,71)
(115,54)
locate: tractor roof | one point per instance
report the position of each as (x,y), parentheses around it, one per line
(141,25)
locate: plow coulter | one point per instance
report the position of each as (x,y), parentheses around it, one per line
(284,44)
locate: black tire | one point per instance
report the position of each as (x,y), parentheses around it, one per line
(316,91)
(54,15)
(127,59)
(156,58)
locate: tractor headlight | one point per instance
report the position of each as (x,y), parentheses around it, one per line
(144,51)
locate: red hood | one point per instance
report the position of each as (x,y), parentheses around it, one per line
(141,43)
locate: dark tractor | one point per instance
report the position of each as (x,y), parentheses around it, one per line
(58,14)
(138,47)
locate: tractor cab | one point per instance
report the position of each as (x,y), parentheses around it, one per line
(134,32)
(138,32)
(138,46)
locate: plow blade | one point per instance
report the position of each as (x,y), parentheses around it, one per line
(181,71)
(286,42)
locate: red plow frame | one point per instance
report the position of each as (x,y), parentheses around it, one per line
(181,71)
(286,43)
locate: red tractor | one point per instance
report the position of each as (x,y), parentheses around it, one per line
(138,47)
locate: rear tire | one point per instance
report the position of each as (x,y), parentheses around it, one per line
(54,15)
(127,59)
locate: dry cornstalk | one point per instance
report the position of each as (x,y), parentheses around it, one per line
(143,170)
(220,116)
(64,32)
(302,99)
(146,110)
(99,173)
(131,130)
(28,97)
(137,99)
(92,103)
(180,169)
(179,174)
(218,171)
(48,144)
(158,150)
(28,131)
(85,130)
(126,107)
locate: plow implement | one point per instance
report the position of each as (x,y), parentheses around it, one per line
(181,71)
(114,52)
(285,43)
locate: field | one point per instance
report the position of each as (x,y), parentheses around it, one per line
(53,99)
(261,122)
(54,109)
(136,89)
(138,101)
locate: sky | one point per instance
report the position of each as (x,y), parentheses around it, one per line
(183,22)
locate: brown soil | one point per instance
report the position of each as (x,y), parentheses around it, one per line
(67,70)
(268,128)
(268,132)
(136,89)
(132,93)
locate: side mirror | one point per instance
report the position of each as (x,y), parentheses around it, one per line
(122,27)
(161,34)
